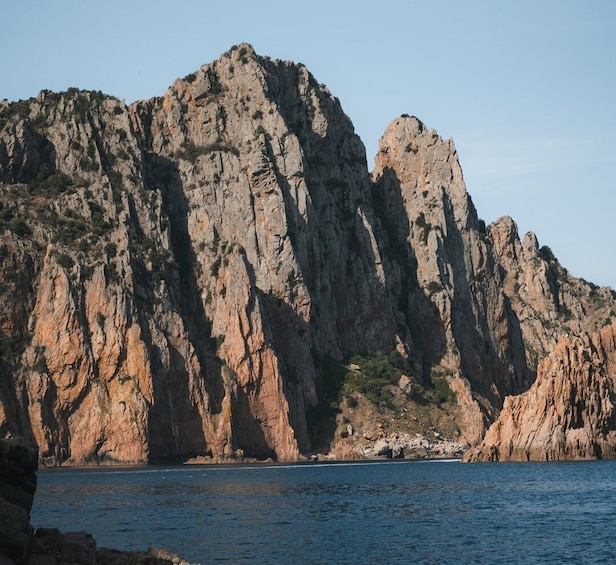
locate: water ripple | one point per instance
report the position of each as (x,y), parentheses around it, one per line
(350,513)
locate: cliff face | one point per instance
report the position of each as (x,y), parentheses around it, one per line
(179,275)
(451,292)
(191,259)
(566,324)
(568,413)
(547,300)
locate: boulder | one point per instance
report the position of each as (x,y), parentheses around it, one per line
(382,448)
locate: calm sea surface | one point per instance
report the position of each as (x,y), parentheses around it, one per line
(406,512)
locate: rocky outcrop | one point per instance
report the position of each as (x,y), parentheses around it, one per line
(405,446)
(18,464)
(178,275)
(50,545)
(452,295)
(568,413)
(547,300)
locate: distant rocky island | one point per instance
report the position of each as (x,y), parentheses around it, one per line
(214,275)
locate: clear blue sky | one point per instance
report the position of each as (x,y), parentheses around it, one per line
(526,89)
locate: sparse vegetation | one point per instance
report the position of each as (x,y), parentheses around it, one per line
(566,313)
(190,152)
(376,374)
(215,266)
(65,261)
(546,254)
(20,108)
(19,227)
(438,390)
(69,229)
(41,121)
(426,227)
(434,287)
(111,250)
(50,182)
(100,226)
(216,88)
(88,165)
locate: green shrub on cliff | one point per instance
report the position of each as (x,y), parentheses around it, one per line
(190,152)
(50,182)
(376,373)
(65,261)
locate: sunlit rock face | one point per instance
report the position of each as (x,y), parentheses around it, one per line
(567,414)
(176,274)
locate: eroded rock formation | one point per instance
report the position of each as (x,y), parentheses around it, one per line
(569,412)
(547,300)
(178,274)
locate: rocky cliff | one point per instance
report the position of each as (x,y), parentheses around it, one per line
(190,276)
(547,300)
(568,413)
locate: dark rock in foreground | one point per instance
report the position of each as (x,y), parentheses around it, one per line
(21,543)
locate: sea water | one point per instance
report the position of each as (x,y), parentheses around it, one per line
(393,512)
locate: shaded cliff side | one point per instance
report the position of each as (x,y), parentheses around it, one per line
(191,275)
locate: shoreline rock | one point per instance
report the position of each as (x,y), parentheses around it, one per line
(414,447)
(569,411)
(21,543)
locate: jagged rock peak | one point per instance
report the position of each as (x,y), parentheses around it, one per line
(506,226)
(505,235)
(428,165)
(546,299)
(568,413)
(188,247)
(249,95)
(505,238)
(530,243)
(405,137)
